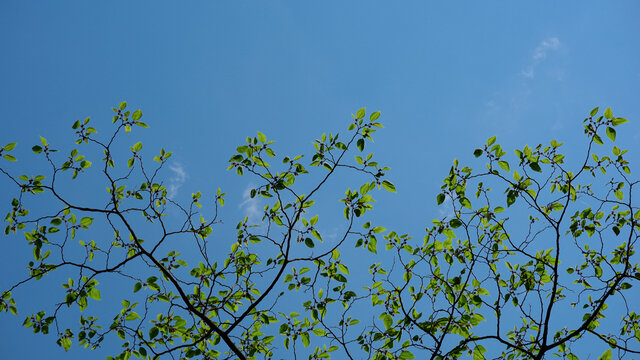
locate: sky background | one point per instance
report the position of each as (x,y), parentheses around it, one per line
(446,76)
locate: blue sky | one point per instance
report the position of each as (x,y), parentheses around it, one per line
(207,74)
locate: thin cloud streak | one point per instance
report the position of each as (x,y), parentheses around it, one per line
(251,207)
(544,47)
(446,210)
(177,180)
(539,54)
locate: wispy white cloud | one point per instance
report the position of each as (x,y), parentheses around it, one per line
(539,54)
(546,45)
(446,209)
(251,207)
(177,179)
(528,72)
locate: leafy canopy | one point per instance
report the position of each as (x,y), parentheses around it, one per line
(535,255)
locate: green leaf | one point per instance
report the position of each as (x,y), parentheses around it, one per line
(598,271)
(37,149)
(319,332)
(388,186)
(440,198)
(137,146)
(374,116)
(309,243)
(478,352)
(86,221)
(9,147)
(594,111)
(153,332)
(597,139)
(305,339)
(373,245)
(491,141)
(65,343)
(618,121)
(406,355)
(387,319)
(343,269)
(504,165)
(132,316)
(455,223)
(606,355)
(94,294)
(535,167)
(123,105)
(557,206)
(137,287)
(360,114)
(511,198)
(611,133)
(9,157)
(136,115)
(619,194)
(477,152)
(608,114)
(261,137)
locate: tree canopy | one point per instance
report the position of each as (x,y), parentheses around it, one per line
(533,257)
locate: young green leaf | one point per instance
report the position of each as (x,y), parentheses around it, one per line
(535,167)
(606,355)
(388,186)
(136,115)
(608,114)
(618,121)
(94,294)
(406,355)
(305,339)
(504,165)
(611,133)
(597,139)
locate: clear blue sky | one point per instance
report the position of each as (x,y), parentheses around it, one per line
(446,77)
